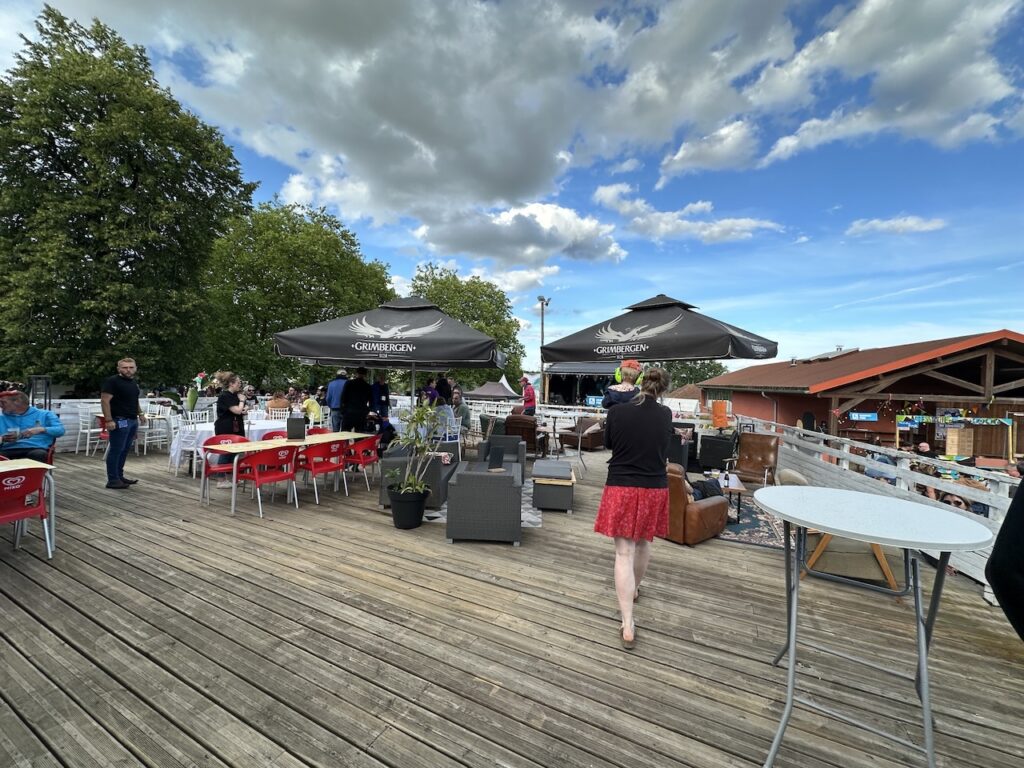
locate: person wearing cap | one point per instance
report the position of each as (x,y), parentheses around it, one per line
(626,389)
(529,397)
(334,390)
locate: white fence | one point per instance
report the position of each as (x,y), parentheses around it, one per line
(836,462)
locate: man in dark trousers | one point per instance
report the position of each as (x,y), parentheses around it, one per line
(119,399)
(356,401)
(334,390)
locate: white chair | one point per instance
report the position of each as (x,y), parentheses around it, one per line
(196,417)
(453,429)
(88,428)
(185,437)
(278,414)
(153,433)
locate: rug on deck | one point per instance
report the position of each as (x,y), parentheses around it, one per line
(531,516)
(756,527)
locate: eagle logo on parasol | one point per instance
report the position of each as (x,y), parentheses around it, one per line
(609,335)
(363,328)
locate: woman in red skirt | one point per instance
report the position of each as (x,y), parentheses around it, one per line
(634,505)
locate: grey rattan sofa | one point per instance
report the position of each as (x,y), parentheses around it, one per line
(485,506)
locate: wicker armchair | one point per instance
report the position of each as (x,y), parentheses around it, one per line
(515,448)
(437,475)
(485,506)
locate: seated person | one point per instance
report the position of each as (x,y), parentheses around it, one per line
(960,502)
(311,409)
(28,432)
(278,401)
(461,410)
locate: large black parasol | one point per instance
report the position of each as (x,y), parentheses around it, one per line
(401,333)
(660,328)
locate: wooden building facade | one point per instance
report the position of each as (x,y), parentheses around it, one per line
(972,386)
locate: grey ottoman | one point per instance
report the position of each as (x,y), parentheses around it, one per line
(552,485)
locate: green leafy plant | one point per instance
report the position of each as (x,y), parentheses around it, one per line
(421,438)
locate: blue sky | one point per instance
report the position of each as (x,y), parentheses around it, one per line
(819,173)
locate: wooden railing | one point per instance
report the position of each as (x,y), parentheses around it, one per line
(839,462)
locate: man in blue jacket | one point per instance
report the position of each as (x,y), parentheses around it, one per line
(334,390)
(28,432)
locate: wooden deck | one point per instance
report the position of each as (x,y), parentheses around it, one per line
(165,633)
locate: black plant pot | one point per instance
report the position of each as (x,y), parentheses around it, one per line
(407,508)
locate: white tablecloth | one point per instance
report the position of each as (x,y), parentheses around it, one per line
(254,430)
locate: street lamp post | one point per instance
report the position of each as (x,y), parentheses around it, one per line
(543,379)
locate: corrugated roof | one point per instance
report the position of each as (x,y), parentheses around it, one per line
(821,375)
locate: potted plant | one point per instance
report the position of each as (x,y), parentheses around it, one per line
(419,442)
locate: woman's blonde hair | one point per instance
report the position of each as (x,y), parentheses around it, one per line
(224,378)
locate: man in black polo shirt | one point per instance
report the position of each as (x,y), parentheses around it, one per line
(119,397)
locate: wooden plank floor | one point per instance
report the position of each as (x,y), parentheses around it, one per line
(165,633)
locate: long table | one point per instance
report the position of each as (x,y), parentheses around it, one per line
(255,429)
(240,449)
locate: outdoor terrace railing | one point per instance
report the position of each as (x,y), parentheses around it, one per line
(840,462)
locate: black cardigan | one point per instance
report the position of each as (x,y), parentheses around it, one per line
(639,437)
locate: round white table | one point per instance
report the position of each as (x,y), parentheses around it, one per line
(876,519)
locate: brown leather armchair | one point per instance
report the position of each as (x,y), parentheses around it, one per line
(756,458)
(573,437)
(525,428)
(691,522)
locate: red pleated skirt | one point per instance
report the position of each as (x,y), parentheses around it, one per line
(633,513)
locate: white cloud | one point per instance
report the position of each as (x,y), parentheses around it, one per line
(15,18)
(667,225)
(903,292)
(401,285)
(529,234)
(801,240)
(930,71)
(626,166)
(613,197)
(899,226)
(515,280)
(731,146)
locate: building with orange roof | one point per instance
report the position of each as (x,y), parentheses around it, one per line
(913,389)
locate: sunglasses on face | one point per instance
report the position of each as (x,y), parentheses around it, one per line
(955,502)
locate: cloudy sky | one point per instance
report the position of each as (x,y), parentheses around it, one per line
(818,173)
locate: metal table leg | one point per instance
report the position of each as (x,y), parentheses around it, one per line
(924,626)
(793,561)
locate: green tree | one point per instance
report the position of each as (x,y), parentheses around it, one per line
(693,371)
(111,198)
(479,304)
(281,267)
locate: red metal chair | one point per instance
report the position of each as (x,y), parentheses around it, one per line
(318,431)
(271,465)
(274,434)
(363,453)
(15,506)
(323,459)
(209,468)
(104,436)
